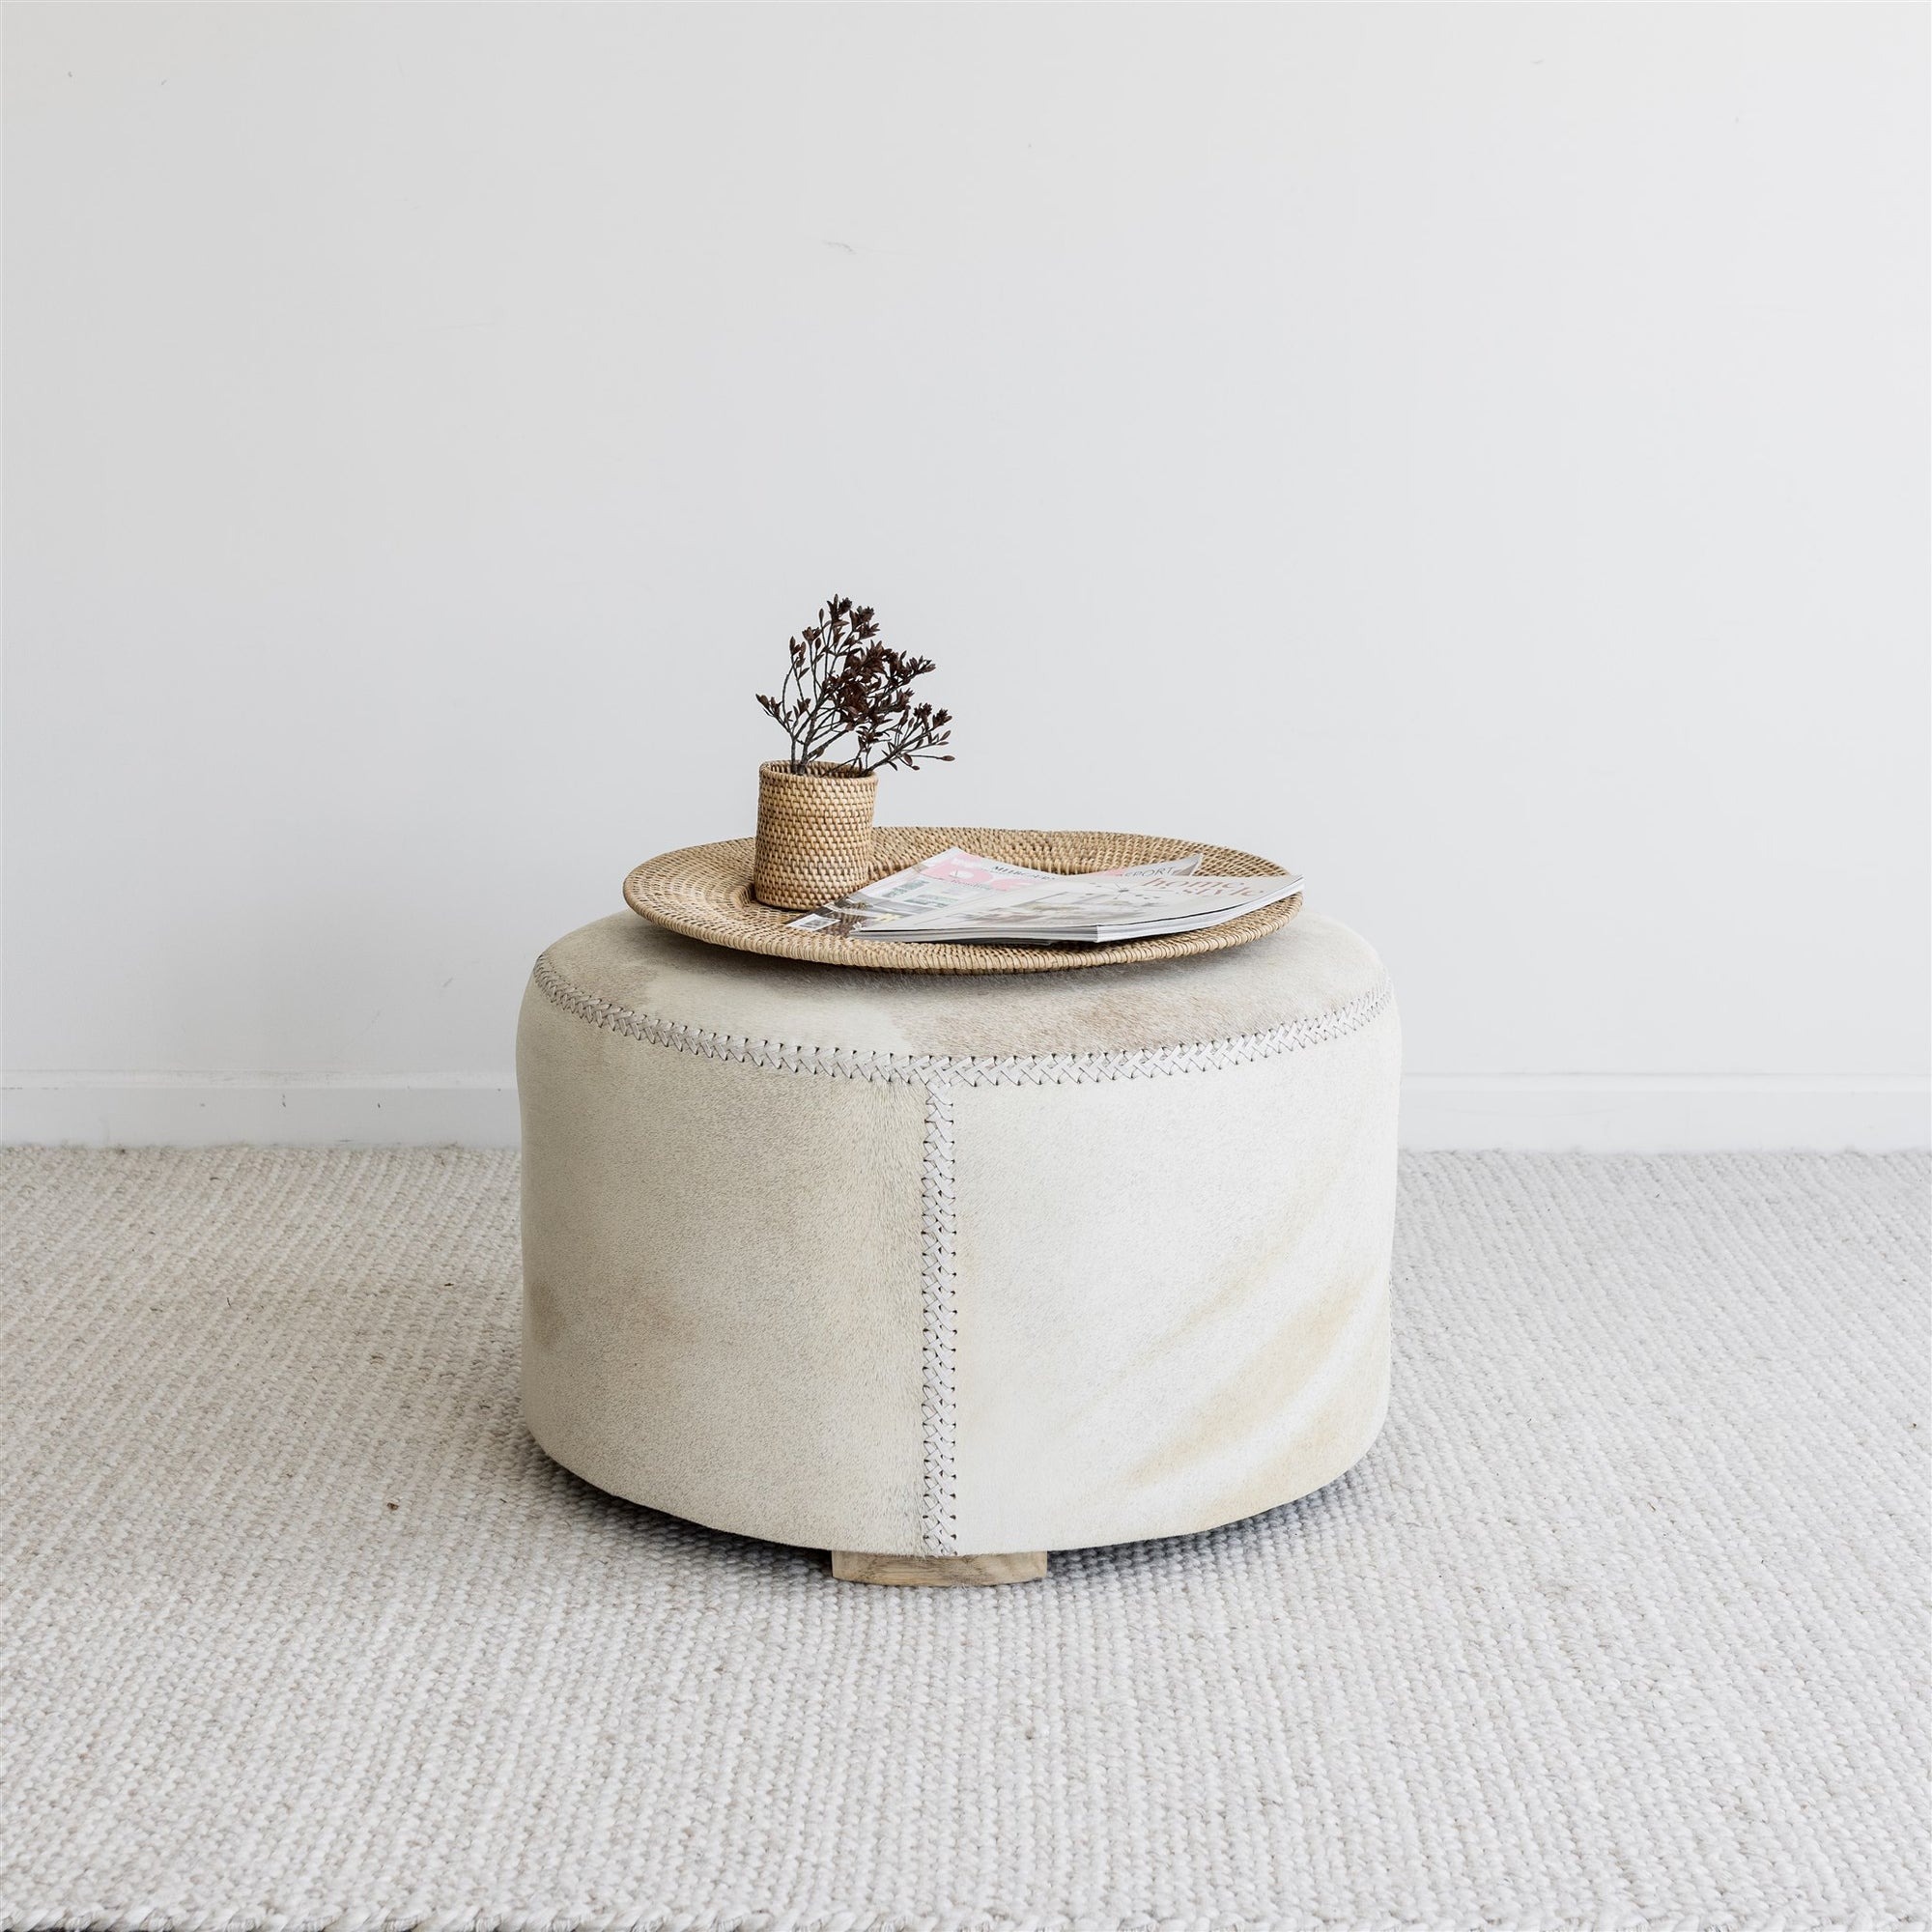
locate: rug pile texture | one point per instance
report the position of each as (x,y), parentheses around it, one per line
(1620,1624)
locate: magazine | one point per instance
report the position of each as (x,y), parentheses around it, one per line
(965,898)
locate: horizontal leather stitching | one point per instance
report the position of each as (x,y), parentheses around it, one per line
(1043,1069)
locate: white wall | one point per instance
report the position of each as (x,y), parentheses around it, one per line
(1475,454)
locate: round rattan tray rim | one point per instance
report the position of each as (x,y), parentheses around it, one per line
(703,892)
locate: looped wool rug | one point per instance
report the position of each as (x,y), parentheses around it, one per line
(1618,1624)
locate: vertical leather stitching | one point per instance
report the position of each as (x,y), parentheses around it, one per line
(938,1507)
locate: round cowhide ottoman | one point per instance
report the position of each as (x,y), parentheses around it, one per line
(943,1273)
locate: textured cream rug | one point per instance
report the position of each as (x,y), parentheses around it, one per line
(1620,1624)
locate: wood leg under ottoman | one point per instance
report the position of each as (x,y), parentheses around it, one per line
(855,1566)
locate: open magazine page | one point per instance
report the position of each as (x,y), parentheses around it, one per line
(950,882)
(964,896)
(1121,908)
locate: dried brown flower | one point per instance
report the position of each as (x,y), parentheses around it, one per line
(841,682)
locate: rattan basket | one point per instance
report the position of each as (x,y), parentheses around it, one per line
(815,838)
(704,891)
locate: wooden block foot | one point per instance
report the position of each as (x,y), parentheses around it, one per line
(855,1566)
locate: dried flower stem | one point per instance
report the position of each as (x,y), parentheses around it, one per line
(841,682)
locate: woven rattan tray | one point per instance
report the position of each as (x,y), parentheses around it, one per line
(705,892)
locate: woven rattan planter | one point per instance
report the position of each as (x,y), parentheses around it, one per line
(814,835)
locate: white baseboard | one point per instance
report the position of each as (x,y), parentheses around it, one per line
(264,1110)
(1664,1113)
(1603,1113)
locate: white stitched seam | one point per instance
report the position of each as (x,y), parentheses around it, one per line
(1019,1070)
(938,1521)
